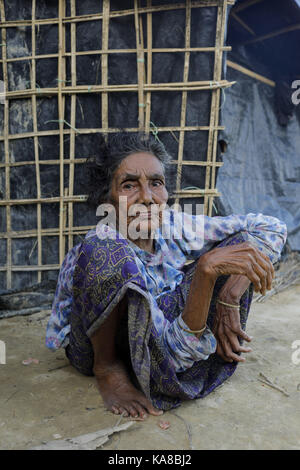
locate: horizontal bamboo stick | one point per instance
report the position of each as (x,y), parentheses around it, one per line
(278,32)
(197,163)
(115,51)
(81,198)
(80,89)
(154,50)
(195,192)
(16,202)
(43,162)
(245,5)
(47,232)
(250,73)
(114,14)
(83,160)
(242,23)
(45,267)
(110,130)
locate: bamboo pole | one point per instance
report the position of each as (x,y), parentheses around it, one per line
(218,71)
(184,97)
(6,154)
(96,131)
(36,143)
(83,160)
(73,124)
(273,34)
(149,68)
(215,105)
(242,23)
(250,73)
(49,232)
(140,66)
(189,86)
(245,5)
(104,65)
(116,51)
(116,14)
(61,114)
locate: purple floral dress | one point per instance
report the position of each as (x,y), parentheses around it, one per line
(169,364)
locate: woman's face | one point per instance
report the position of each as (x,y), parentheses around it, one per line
(138,193)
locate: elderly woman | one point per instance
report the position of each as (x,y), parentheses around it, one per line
(129,309)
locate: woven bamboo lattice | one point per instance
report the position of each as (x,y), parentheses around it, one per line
(66,231)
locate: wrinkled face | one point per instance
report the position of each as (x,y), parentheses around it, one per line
(138,193)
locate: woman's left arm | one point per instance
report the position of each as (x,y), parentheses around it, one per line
(269,235)
(198,234)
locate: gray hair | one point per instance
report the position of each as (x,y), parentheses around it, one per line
(111,153)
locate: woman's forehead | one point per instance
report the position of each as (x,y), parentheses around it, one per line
(140,163)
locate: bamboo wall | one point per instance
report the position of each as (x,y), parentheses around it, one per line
(66,231)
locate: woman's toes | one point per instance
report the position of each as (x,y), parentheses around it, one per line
(141,411)
(133,412)
(150,408)
(156,412)
(115,410)
(124,412)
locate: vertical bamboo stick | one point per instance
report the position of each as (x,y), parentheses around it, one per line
(214,109)
(61,114)
(184,95)
(149,68)
(6,153)
(220,39)
(104,64)
(73,124)
(35,138)
(140,65)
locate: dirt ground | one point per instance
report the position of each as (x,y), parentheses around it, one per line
(50,400)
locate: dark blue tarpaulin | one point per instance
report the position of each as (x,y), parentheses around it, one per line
(261,171)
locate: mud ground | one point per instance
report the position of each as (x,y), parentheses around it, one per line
(50,400)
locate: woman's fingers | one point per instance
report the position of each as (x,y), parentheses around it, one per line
(243,259)
(223,348)
(270,271)
(232,324)
(234,343)
(267,266)
(227,334)
(259,270)
(262,267)
(227,354)
(260,273)
(230,354)
(221,353)
(242,334)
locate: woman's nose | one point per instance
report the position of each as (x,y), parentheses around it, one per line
(145,196)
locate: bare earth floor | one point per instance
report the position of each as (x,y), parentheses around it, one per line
(44,401)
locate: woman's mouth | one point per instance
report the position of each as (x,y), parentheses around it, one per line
(145,215)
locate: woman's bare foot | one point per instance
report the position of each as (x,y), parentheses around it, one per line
(119,394)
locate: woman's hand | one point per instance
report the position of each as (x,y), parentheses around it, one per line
(227,330)
(243,259)
(227,327)
(245,264)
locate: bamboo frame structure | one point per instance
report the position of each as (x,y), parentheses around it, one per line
(66,231)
